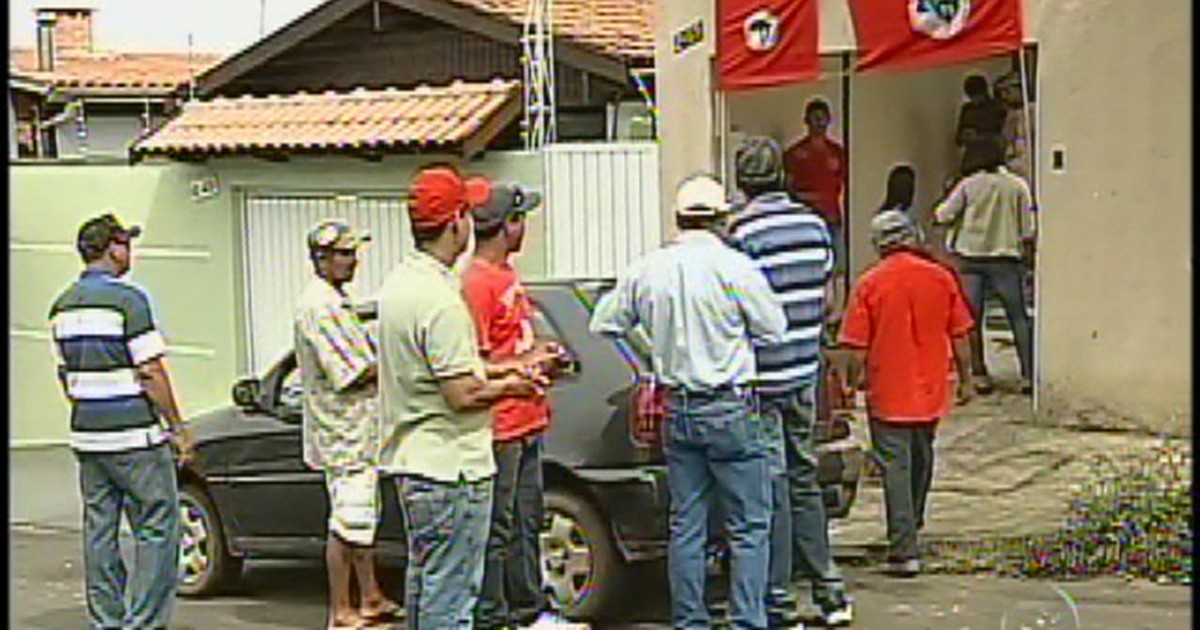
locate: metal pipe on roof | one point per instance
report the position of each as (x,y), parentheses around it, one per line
(45,40)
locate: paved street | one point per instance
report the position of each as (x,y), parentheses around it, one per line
(46,594)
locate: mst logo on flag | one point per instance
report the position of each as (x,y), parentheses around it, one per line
(939,19)
(761,43)
(914,34)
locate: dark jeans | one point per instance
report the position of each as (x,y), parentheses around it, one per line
(812,560)
(906,450)
(716,446)
(447,528)
(512,578)
(141,484)
(1004,277)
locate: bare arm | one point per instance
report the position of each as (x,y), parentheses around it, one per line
(469,393)
(157,384)
(962,365)
(856,369)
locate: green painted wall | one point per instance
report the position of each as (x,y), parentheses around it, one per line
(185,261)
(188,259)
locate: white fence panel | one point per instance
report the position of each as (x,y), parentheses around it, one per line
(276,264)
(602,205)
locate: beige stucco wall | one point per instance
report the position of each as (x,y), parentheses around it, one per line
(1116,257)
(1115,268)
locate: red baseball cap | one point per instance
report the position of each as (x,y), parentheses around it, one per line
(440,195)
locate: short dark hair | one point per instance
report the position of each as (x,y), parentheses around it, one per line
(693,222)
(901,187)
(817,104)
(976,85)
(484,232)
(424,235)
(983,155)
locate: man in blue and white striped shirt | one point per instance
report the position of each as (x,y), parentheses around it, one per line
(792,246)
(110,364)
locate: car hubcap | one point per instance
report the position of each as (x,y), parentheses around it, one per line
(566,560)
(194,543)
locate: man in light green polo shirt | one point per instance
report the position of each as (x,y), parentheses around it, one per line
(437,432)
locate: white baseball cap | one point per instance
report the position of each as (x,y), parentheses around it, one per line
(701,196)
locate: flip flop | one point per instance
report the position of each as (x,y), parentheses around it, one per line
(395,612)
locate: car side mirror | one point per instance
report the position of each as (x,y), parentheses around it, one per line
(247,393)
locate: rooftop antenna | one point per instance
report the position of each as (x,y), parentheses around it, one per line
(262,18)
(537,57)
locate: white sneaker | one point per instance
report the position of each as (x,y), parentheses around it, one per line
(554,621)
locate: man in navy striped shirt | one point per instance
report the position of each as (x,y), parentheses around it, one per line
(110,364)
(792,246)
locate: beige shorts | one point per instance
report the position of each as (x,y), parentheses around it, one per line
(354,505)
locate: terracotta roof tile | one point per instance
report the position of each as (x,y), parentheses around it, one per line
(156,73)
(441,116)
(619,28)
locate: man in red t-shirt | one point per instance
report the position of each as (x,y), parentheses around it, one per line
(816,168)
(512,593)
(907,318)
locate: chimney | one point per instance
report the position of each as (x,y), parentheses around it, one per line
(71,26)
(45,41)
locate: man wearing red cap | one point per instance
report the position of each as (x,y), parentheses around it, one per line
(436,393)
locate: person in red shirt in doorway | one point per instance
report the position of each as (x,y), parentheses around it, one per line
(907,318)
(512,593)
(816,169)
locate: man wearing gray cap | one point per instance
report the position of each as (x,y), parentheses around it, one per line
(512,594)
(907,315)
(702,304)
(111,365)
(793,247)
(338,365)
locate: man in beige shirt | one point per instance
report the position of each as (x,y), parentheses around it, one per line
(991,232)
(437,432)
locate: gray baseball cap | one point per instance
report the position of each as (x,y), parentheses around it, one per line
(504,200)
(891,228)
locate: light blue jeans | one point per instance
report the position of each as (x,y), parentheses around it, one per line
(716,445)
(447,529)
(141,484)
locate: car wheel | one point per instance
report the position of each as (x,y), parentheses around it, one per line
(580,565)
(205,566)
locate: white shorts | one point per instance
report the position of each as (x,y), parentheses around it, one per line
(354,505)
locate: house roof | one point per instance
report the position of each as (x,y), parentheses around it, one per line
(462,117)
(132,73)
(623,29)
(601,36)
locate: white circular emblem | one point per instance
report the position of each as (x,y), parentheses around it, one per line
(939,19)
(761,31)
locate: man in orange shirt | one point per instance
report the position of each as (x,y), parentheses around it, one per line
(512,593)
(907,318)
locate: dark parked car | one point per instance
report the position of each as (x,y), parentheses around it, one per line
(248,495)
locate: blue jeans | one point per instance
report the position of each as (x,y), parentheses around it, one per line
(1005,277)
(716,444)
(512,592)
(447,528)
(812,560)
(140,483)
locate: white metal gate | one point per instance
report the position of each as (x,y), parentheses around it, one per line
(275,258)
(602,207)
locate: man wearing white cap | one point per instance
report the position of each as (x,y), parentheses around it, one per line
(338,365)
(702,304)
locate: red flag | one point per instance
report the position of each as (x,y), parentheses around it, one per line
(761,43)
(912,34)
